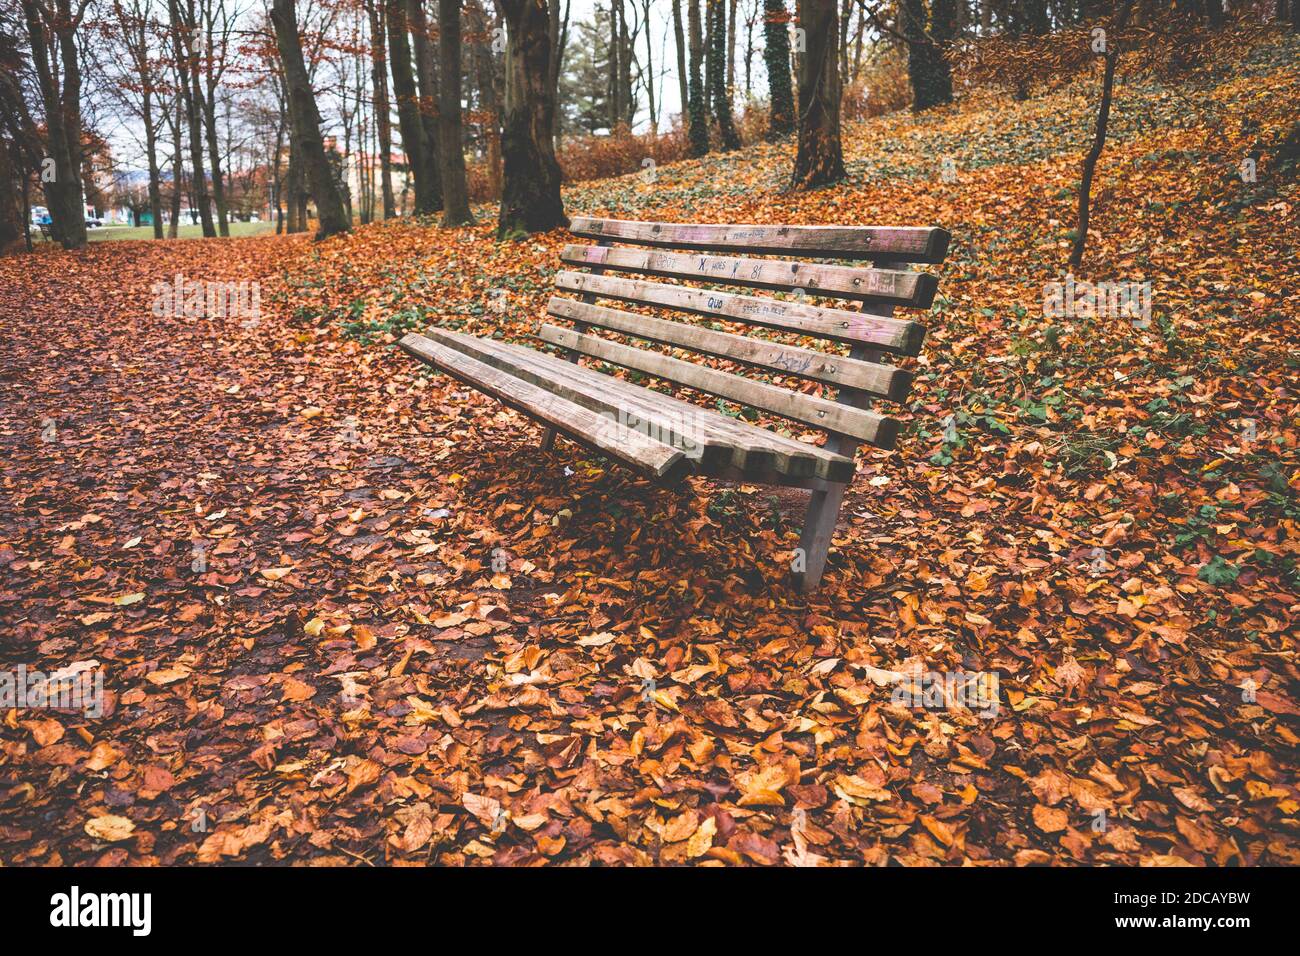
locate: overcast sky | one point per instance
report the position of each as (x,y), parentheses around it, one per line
(128,150)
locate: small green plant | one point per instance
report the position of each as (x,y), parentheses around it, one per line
(367,332)
(1197,528)
(724,505)
(1218,572)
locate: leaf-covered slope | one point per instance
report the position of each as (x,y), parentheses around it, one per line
(416,638)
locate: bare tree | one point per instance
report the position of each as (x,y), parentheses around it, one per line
(1110,52)
(559,30)
(683,85)
(186,41)
(420,156)
(305,119)
(138,83)
(52,27)
(217,25)
(455,192)
(426,71)
(649,68)
(485,81)
(383,122)
(22,145)
(176,125)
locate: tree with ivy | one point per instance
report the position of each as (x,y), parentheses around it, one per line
(717,74)
(776,27)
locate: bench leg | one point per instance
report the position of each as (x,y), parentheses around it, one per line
(818,528)
(548,439)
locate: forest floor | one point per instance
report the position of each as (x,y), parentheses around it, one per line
(273,538)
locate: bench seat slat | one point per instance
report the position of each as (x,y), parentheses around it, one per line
(720,443)
(892,335)
(900,243)
(884,381)
(865,426)
(790,458)
(894,286)
(626,445)
(554,374)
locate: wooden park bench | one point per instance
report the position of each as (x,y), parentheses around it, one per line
(666,437)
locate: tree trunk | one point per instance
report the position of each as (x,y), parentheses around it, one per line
(650,69)
(277,182)
(559,27)
(426,71)
(212,77)
(414,141)
(717,10)
(10,216)
(683,83)
(776,22)
(193,112)
(209,103)
(820,158)
(214,158)
(455,192)
(614,99)
(55,30)
(1099,136)
(927,70)
(383,123)
(184,24)
(151,157)
(530,192)
(489,103)
(846,12)
(293,221)
(306,122)
(178,170)
(625,57)
(699,105)
(944,15)
(731,48)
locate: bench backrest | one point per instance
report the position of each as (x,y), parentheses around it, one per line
(725,255)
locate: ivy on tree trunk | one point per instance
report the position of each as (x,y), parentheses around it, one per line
(776,27)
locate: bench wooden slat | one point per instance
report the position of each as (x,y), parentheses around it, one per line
(628,446)
(755,451)
(892,335)
(894,286)
(863,425)
(901,243)
(790,454)
(760,451)
(873,378)
(554,374)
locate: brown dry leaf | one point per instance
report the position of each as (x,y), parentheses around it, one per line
(45,731)
(296,690)
(485,809)
(110,829)
(102,756)
(1050,819)
(701,841)
(168,675)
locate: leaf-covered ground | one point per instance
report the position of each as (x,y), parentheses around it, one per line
(276,541)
